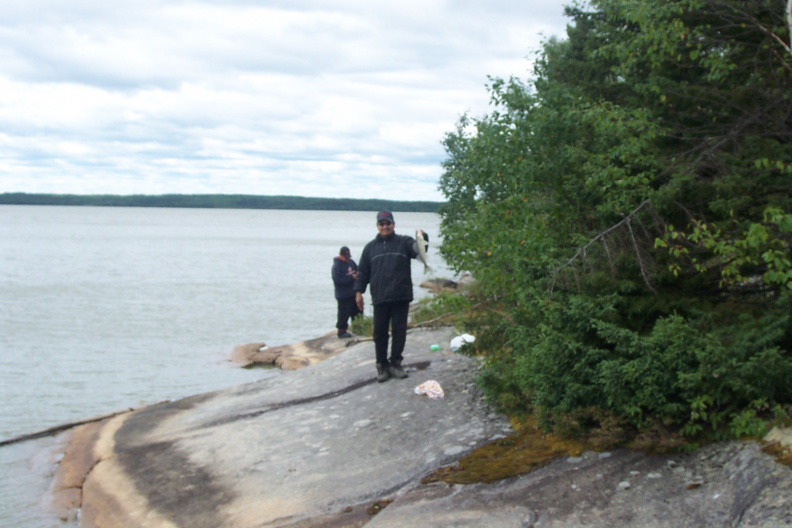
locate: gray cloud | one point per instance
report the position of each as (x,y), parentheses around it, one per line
(350,98)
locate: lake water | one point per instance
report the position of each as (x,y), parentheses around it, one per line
(104,309)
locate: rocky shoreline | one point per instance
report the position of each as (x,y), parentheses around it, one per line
(294,356)
(327,446)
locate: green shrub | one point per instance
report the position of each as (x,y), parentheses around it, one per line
(362,326)
(724,378)
(443,308)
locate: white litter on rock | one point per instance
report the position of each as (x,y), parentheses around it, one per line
(431,388)
(458,341)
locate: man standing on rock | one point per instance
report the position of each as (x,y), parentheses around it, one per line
(385,265)
(344,273)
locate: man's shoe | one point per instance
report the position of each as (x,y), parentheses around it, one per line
(383,373)
(344,335)
(396,371)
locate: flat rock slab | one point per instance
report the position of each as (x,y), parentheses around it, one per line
(329,447)
(322,443)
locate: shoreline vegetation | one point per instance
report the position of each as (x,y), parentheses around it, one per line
(219,201)
(631,236)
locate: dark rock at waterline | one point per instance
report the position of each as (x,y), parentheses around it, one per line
(327,446)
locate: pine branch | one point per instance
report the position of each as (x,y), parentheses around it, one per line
(600,236)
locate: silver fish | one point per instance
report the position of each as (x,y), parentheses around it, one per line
(421,243)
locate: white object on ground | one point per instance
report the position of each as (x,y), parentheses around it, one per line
(458,341)
(431,388)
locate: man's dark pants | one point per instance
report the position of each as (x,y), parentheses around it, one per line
(347,309)
(393,314)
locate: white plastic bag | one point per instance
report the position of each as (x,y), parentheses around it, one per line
(431,388)
(458,341)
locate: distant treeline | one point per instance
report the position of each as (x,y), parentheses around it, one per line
(219,201)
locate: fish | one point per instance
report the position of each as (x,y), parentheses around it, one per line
(421,243)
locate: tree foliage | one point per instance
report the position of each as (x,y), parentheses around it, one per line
(630,210)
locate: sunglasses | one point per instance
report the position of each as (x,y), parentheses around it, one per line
(384,222)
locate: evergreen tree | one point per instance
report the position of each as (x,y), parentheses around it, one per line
(631,212)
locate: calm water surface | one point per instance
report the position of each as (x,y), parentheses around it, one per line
(104,309)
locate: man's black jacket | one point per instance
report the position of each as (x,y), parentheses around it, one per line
(385,266)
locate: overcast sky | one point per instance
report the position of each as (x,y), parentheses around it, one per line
(334,98)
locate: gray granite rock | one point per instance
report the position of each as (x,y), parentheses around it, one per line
(327,446)
(739,487)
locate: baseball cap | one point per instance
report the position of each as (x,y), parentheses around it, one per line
(385,215)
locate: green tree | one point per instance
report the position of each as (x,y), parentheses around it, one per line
(631,212)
